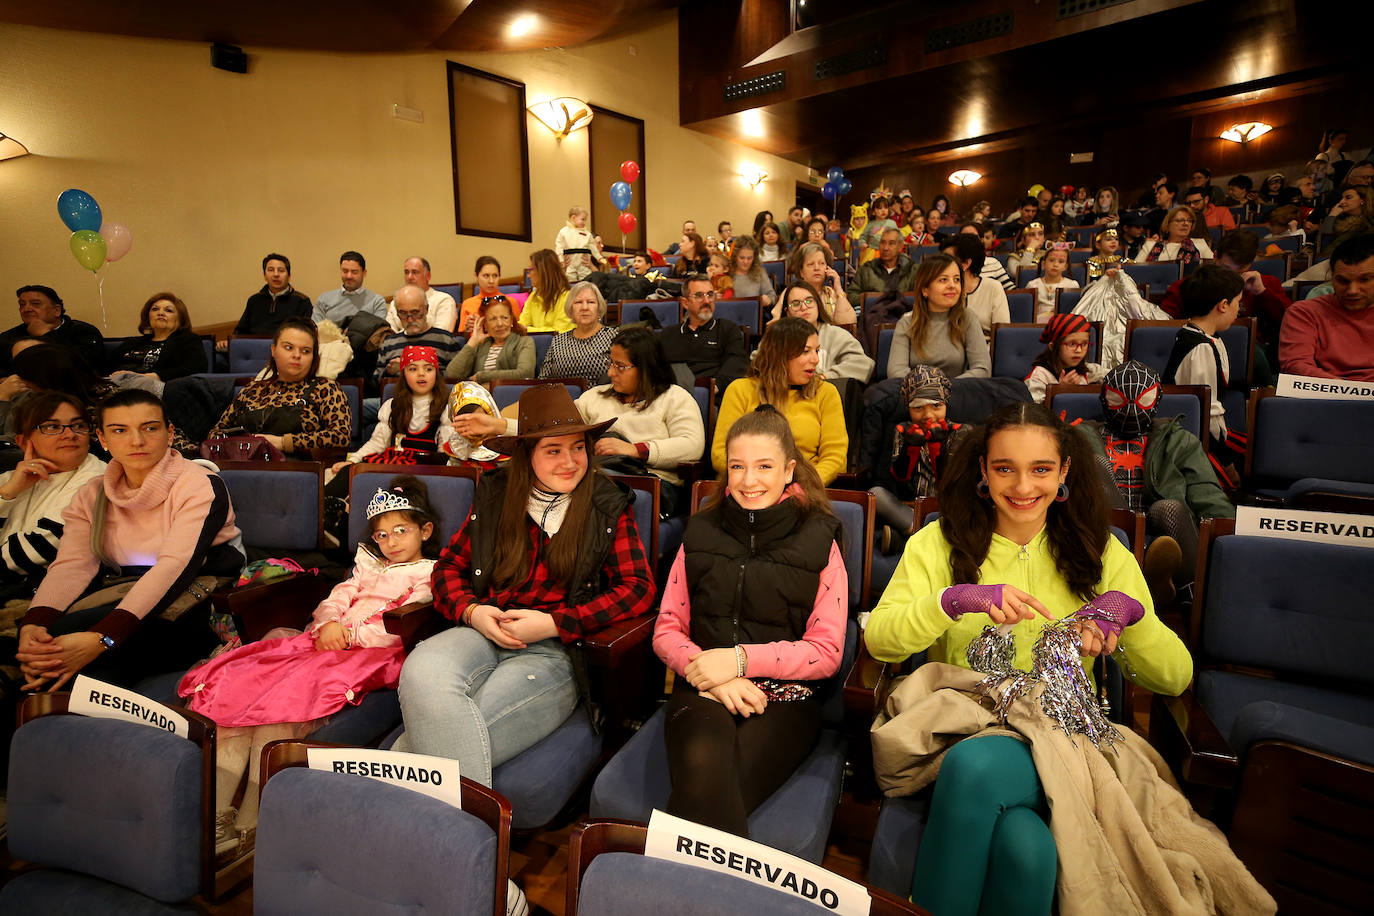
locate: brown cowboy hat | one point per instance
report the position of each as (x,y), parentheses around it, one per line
(546,410)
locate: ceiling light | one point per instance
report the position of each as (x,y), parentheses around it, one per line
(522,26)
(1244,133)
(562,115)
(752,122)
(964,177)
(11,148)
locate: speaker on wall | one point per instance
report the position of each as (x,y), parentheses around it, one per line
(228,57)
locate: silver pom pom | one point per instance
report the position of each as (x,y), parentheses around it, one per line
(1067,694)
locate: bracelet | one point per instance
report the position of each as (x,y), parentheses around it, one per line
(466,616)
(740,660)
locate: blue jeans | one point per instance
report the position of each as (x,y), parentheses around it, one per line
(466,698)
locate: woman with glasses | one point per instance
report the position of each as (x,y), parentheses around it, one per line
(583,351)
(54,432)
(656,422)
(784,375)
(1176,241)
(813,264)
(840,353)
(498,348)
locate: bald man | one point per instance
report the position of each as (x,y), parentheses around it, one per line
(443,311)
(412,311)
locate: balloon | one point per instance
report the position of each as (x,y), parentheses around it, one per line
(118,240)
(844,186)
(88,248)
(629,170)
(621,195)
(627,222)
(78,210)
(835,174)
(828,190)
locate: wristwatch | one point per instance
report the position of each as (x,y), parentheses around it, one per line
(107,641)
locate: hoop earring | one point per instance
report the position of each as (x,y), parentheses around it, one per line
(981,488)
(1062,496)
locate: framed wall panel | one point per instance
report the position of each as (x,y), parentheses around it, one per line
(611,139)
(491,165)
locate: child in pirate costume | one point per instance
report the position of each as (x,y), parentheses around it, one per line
(1159,468)
(1211,301)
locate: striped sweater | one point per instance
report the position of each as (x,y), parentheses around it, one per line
(32,521)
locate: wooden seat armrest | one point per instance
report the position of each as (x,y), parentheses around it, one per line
(263,606)
(691,472)
(1185,735)
(607,646)
(414,622)
(327,455)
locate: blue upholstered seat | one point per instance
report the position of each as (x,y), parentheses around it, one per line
(777,272)
(117,801)
(885,336)
(332,843)
(1068,299)
(743,312)
(506,395)
(1086,405)
(541,780)
(1296,438)
(276,507)
(1160,275)
(896,838)
(248,355)
(626,884)
(1014,349)
(1021,306)
(451,497)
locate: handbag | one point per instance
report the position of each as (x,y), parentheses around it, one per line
(240,448)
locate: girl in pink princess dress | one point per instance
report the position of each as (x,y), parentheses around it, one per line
(284,688)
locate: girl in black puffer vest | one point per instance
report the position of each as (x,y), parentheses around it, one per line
(752,621)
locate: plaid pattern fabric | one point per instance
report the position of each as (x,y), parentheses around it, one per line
(628,588)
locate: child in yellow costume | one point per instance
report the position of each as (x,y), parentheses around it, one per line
(858,221)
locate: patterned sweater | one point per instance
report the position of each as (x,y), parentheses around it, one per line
(326,420)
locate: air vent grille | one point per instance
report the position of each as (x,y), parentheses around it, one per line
(1070,8)
(756,85)
(831,67)
(966,33)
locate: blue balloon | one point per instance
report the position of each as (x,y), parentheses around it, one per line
(78,210)
(829,191)
(835,174)
(621,195)
(844,186)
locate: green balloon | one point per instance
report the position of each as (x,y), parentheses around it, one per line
(88,247)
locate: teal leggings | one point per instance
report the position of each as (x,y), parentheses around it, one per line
(986,848)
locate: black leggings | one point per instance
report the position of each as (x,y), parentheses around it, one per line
(724,766)
(1171,517)
(156,647)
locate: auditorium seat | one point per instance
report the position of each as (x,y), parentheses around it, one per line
(422,854)
(1015,347)
(507,391)
(1067,299)
(1296,438)
(1280,724)
(1021,305)
(777,272)
(884,349)
(1159,275)
(248,354)
(609,875)
(1190,403)
(667,311)
(743,312)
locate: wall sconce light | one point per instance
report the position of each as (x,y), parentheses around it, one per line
(562,115)
(11,148)
(964,177)
(1244,133)
(753,177)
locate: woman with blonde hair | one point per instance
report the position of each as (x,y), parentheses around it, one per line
(1176,242)
(939,331)
(747,273)
(784,374)
(544,309)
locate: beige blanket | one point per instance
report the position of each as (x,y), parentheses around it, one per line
(1127,839)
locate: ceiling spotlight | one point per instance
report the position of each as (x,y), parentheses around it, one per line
(522,26)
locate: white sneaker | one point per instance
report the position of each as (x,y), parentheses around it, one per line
(516,904)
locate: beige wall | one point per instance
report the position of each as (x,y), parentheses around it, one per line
(211,170)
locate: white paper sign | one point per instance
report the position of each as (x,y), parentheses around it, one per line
(106,701)
(676,840)
(1300,525)
(1326,389)
(436,777)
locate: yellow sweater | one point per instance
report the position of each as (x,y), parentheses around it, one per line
(538,315)
(908,618)
(817,425)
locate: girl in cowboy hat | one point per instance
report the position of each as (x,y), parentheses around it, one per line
(549,554)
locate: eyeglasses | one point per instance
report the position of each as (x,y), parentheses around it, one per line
(53,428)
(618,367)
(1075,344)
(486,299)
(704,295)
(399,531)
(801,305)
(403,315)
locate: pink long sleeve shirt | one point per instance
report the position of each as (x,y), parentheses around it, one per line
(813,657)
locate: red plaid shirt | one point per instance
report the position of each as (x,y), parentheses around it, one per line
(629,590)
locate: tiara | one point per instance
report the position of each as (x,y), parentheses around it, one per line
(1107,234)
(387,501)
(1036,226)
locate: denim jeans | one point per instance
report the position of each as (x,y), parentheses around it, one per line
(466,698)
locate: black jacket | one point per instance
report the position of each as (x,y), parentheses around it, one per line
(78,336)
(178,356)
(263,314)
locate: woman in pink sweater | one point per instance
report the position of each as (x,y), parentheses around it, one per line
(752,622)
(166,520)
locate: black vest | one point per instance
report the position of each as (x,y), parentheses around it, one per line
(609,502)
(753,574)
(1189,339)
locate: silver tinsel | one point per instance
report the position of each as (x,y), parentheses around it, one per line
(1067,698)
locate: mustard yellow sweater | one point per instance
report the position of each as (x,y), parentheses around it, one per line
(817,425)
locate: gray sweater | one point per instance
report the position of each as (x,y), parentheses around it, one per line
(747,287)
(968,361)
(339,305)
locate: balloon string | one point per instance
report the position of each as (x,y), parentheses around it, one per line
(100,288)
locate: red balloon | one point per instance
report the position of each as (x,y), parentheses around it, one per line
(629,170)
(627,220)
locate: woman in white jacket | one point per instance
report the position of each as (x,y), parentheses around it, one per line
(54,430)
(841,355)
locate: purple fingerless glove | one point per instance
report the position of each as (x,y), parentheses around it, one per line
(1113,611)
(958,600)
